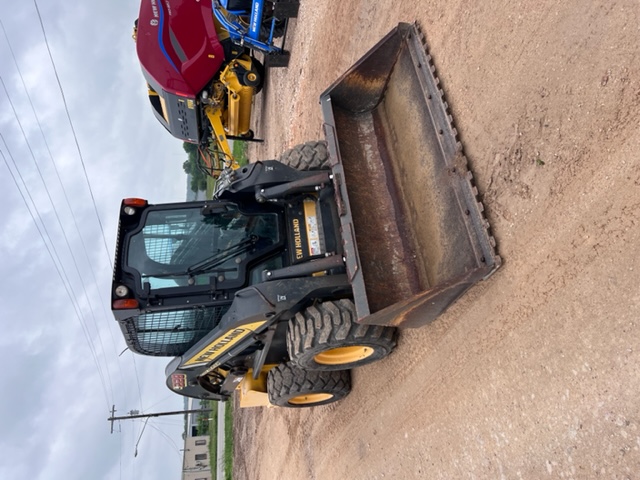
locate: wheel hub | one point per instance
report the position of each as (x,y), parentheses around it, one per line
(310,398)
(343,355)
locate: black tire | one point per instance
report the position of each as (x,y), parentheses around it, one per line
(251,79)
(326,337)
(278,30)
(290,386)
(307,156)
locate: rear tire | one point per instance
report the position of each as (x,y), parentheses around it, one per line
(290,386)
(326,337)
(307,156)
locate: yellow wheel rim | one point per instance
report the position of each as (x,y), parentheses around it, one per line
(252,77)
(310,398)
(343,355)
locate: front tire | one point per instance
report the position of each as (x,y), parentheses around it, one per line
(307,156)
(292,387)
(326,337)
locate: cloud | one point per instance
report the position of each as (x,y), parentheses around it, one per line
(61,345)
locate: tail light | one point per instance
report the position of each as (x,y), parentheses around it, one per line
(125,304)
(134,202)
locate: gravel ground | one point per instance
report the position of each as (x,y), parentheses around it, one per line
(535,373)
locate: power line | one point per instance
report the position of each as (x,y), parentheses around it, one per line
(73,131)
(135,454)
(81,157)
(53,254)
(64,233)
(167,437)
(171,395)
(135,369)
(66,197)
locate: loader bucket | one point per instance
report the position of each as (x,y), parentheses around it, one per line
(414,231)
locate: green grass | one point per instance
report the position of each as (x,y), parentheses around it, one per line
(239,152)
(213,440)
(213,436)
(228,445)
(211,183)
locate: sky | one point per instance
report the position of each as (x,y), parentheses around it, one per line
(62,177)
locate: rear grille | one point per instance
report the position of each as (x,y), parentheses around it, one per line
(171,333)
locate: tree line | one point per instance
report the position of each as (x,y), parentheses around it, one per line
(191,167)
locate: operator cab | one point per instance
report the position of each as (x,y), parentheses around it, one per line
(176,255)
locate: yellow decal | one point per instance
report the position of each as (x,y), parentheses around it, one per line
(190,104)
(223,343)
(297,239)
(311,223)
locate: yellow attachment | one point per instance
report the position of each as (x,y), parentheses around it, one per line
(234,118)
(343,355)
(239,97)
(214,114)
(253,393)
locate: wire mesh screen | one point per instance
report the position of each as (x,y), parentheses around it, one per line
(161,241)
(171,333)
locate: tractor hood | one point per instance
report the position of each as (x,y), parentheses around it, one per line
(177,45)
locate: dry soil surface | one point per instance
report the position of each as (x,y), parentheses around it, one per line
(535,373)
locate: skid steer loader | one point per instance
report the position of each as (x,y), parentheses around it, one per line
(301,268)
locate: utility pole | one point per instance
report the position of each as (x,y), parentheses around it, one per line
(112,418)
(113,412)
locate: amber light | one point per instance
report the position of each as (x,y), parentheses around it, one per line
(125,304)
(134,202)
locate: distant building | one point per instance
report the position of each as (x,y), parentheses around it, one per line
(196,464)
